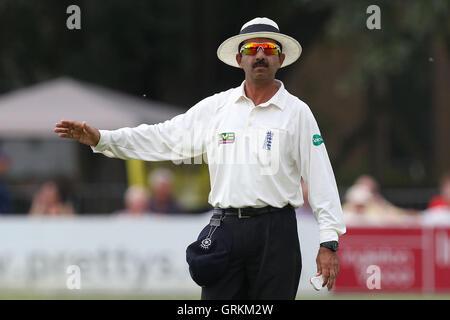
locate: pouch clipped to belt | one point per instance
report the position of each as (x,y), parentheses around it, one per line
(208,256)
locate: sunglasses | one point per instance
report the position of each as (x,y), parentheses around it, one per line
(252,48)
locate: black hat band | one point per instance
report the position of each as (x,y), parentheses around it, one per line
(259,28)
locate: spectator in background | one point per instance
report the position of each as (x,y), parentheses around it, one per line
(5,200)
(161,188)
(364,203)
(137,202)
(373,188)
(442,201)
(357,199)
(48,201)
(438,210)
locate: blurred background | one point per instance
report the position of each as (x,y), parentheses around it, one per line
(381,98)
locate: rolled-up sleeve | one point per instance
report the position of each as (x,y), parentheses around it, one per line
(316,171)
(176,139)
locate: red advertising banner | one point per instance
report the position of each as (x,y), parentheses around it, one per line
(394,259)
(441,244)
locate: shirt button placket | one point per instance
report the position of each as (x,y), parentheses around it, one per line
(251,115)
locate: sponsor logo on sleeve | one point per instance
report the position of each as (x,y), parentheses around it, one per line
(317,140)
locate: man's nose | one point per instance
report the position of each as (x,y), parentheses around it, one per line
(260,53)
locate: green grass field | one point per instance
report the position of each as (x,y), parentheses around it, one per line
(20,295)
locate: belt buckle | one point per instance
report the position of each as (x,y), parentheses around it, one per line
(240,214)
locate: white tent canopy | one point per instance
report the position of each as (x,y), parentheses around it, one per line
(33,112)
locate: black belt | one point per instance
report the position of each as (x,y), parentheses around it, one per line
(247,212)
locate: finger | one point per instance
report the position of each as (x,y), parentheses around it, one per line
(63,126)
(68,133)
(336,268)
(325,277)
(319,270)
(71,124)
(331,279)
(65,135)
(61,130)
(331,282)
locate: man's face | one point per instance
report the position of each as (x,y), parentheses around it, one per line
(260,66)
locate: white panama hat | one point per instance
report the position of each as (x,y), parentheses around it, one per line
(259,28)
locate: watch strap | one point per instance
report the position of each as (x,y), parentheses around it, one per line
(332,245)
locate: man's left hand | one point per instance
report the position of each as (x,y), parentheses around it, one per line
(327,266)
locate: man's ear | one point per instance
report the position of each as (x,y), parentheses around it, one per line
(239,59)
(282,57)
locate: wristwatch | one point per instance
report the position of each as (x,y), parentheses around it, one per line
(332,245)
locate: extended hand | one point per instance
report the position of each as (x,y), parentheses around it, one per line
(327,265)
(78,131)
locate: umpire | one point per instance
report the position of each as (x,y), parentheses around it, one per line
(259,141)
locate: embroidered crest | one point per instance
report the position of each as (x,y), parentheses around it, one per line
(268,141)
(205,243)
(226,137)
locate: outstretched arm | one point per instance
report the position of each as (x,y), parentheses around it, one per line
(181,137)
(78,131)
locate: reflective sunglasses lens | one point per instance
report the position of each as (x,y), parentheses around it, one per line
(252,48)
(249,50)
(271,51)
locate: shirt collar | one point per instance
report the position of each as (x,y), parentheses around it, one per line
(277,99)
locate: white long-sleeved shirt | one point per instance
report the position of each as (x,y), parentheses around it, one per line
(256,155)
